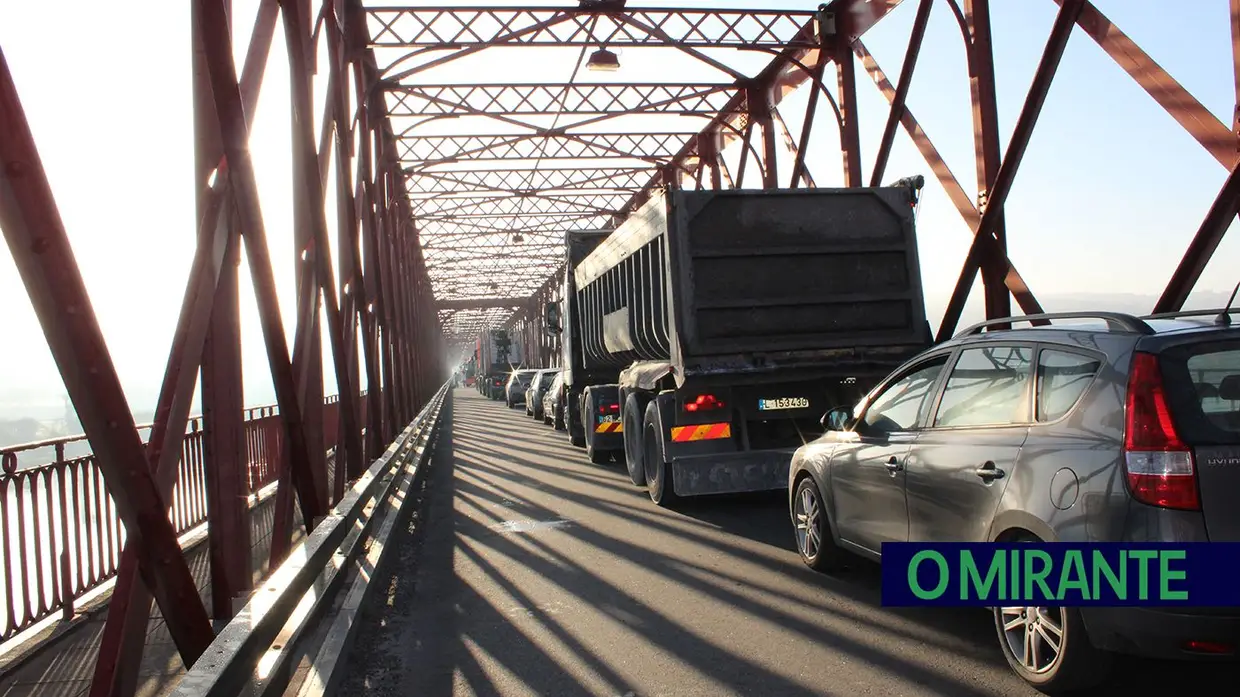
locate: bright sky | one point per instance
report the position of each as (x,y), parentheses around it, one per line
(1108,196)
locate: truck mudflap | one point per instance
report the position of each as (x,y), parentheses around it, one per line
(608,432)
(732,473)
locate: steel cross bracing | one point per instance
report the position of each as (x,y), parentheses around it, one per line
(472,192)
(497,171)
(380,326)
(428,208)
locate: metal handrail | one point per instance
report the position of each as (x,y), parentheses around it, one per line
(297,593)
(1116,321)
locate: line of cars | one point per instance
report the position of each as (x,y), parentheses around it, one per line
(538,390)
(1124,432)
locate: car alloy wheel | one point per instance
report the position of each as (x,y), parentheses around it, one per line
(1034,636)
(807,512)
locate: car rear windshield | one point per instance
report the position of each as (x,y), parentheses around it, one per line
(1203,386)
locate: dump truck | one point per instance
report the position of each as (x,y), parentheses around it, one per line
(498,355)
(706,336)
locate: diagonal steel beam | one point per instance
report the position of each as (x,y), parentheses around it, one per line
(235,137)
(1191,114)
(121,645)
(1025,124)
(37,239)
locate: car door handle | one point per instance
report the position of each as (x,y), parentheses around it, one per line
(989,471)
(893,465)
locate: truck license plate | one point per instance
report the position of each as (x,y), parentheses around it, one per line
(783,403)
(608,419)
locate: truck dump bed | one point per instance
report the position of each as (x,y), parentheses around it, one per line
(699,275)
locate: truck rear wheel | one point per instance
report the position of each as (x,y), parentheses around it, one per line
(576,430)
(631,417)
(658,473)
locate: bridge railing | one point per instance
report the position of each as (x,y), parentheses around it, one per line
(308,608)
(60,534)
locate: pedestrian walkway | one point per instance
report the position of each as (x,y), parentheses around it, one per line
(64,667)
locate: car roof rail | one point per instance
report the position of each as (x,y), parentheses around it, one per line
(1116,321)
(1191,313)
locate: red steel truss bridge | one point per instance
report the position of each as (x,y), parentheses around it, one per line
(441,154)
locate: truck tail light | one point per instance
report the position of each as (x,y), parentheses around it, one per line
(704,402)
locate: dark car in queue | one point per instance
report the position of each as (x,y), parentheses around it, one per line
(514,388)
(1056,433)
(537,390)
(553,403)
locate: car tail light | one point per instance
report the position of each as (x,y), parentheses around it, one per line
(1159,465)
(609,409)
(704,402)
(1210,647)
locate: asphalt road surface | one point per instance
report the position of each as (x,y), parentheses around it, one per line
(526,570)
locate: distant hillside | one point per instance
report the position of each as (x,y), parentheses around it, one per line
(1130,303)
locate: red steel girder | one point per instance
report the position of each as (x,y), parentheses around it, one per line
(530,224)
(997,196)
(468,27)
(513,180)
(1191,114)
(479,303)
(121,646)
(783,75)
(235,136)
(1204,243)
(421,152)
(492,204)
(896,115)
(575,98)
(298,31)
(39,244)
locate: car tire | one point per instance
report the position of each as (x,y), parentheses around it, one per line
(1077,664)
(814,540)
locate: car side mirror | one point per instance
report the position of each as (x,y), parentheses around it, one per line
(838,419)
(551,311)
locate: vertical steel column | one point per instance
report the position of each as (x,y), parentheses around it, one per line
(223,401)
(846,78)
(984,243)
(225,456)
(124,634)
(308,341)
(1235,59)
(758,102)
(391,376)
(363,77)
(235,133)
(352,284)
(981,66)
(298,30)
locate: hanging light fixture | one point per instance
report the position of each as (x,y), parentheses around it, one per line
(603,60)
(517,237)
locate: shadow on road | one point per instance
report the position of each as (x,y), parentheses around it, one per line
(459,616)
